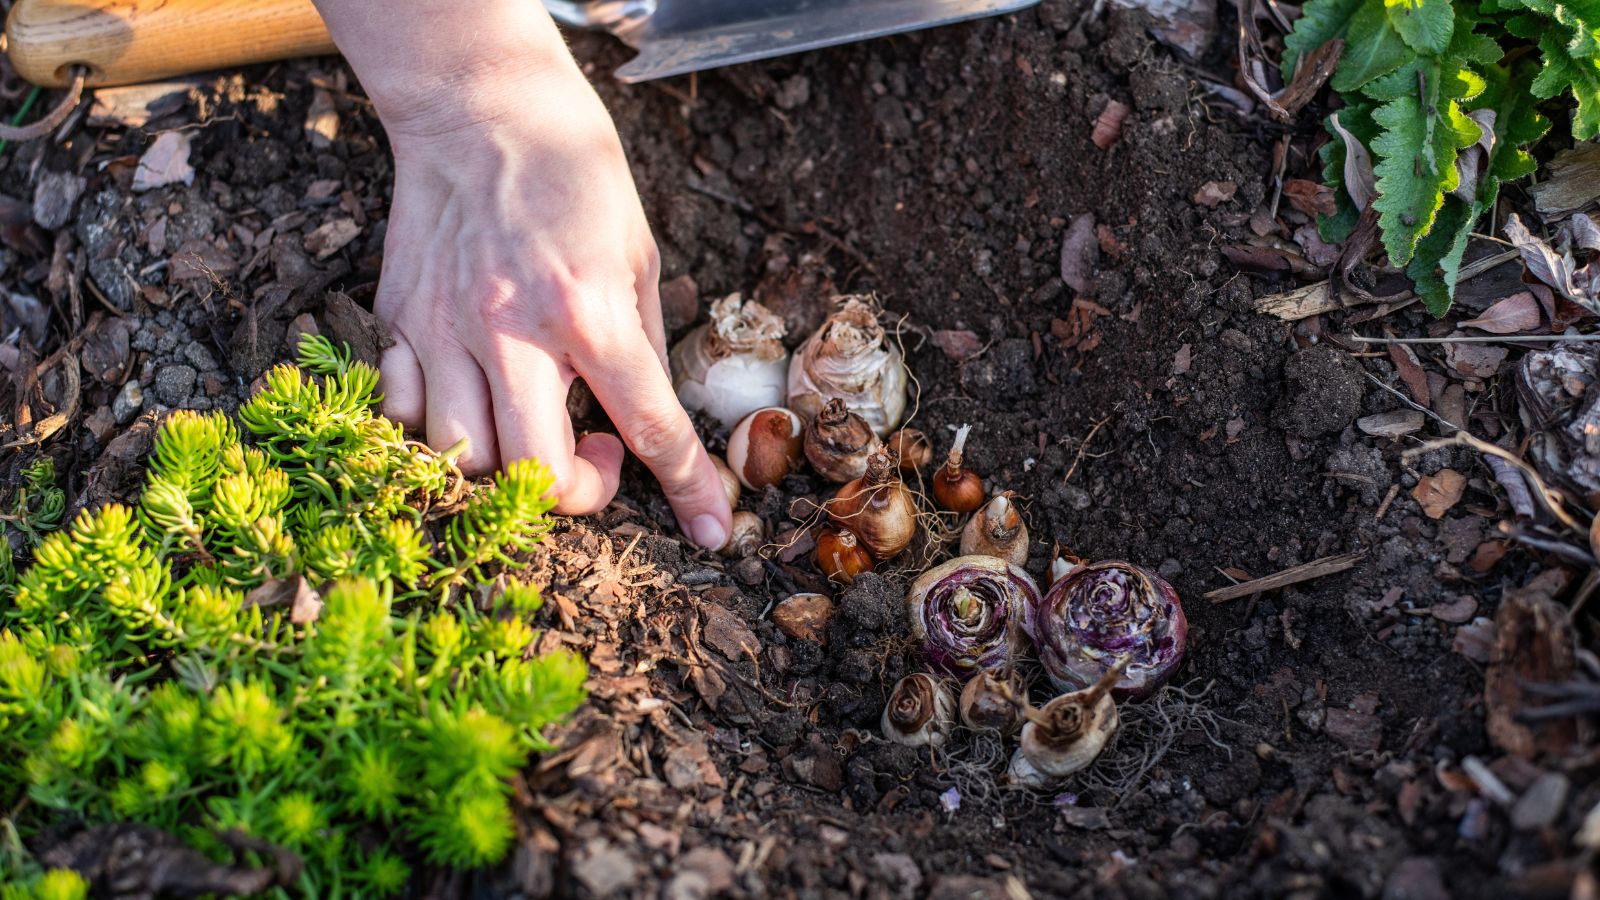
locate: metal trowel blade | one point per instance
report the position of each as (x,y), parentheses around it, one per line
(681,36)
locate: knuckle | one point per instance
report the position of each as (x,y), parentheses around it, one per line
(657,437)
(498,306)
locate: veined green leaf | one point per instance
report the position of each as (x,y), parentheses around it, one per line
(1425,25)
(1372,48)
(1416,168)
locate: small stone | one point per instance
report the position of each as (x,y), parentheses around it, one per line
(1357,731)
(804,616)
(1170,569)
(1541,803)
(749,571)
(680,303)
(604,868)
(900,871)
(1393,424)
(198,356)
(54,196)
(127,403)
(1416,878)
(174,383)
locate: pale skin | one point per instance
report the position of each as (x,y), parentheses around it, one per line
(518,257)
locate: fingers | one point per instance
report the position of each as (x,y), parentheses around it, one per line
(641,401)
(404,396)
(648,289)
(458,407)
(530,419)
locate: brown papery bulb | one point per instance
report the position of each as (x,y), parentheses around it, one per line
(838,443)
(746,535)
(912,448)
(765,447)
(730,481)
(997,530)
(920,712)
(956,487)
(1066,734)
(878,508)
(989,701)
(841,557)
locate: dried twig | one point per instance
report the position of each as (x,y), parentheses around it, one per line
(1482,339)
(1328,565)
(1325,296)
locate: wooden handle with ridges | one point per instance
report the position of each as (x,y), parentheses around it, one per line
(130,41)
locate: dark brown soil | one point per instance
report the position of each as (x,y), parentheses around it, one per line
(1153,416)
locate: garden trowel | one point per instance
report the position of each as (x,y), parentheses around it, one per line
(132,41)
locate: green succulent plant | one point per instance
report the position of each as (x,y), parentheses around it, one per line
(148,674)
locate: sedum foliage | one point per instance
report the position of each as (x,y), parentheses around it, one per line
(144,677)
(1443,94)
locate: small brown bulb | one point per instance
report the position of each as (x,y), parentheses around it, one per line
(956,487)
(765,447)
(912,448)
(730,481)
(988,702)
(920,712)
(878,508)
(841,557)
(997,530)
(838,443)
(746,535)
(1068,733)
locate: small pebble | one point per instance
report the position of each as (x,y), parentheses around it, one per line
(126,405)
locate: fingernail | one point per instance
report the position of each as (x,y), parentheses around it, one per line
(708,532)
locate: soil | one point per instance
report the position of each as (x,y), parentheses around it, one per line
(1147,413)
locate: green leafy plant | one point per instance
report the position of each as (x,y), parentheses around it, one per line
(1443,95)
(274,641)
(38,505)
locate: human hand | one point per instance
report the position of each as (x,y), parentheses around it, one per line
(518,259)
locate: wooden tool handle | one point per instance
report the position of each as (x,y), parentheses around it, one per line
(129,41)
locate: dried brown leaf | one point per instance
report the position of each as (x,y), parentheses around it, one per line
(958,346)
(1438,492)
(1516,314)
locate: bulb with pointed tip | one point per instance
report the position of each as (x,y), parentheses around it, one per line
(841,557)
(838,443)
(912,448)
(878,508)
(956,487)
(988,702)
(1067,734)
(997,530)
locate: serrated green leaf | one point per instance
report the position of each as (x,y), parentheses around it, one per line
(1425,25)
(1320,22)
(1372,48)
(1437,263)
(1416,168)
(1563,72)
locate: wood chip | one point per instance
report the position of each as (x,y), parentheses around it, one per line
(1317,568)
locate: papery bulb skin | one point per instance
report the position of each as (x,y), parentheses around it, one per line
(838,443)
(746,536)
(734,364)
(920,713)
(851,358)
(1067,734)
(765,446)
(730,481)
(878,508)
(1023,773)
(841,557)
(968,614)
(956,487)
(912,448)
(1105,611)
(997,530)
(989,702)
(1063,564)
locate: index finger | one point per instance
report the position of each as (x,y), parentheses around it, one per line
(640,400)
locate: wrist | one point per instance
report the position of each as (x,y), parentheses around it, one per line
(457,71)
